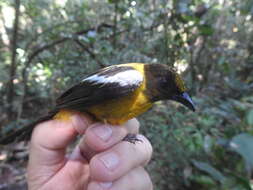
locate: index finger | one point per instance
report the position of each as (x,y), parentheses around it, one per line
(99,137)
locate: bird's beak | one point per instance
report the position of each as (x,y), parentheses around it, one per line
(184,99)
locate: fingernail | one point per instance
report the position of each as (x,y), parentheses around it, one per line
(79,123)
(110,160)
(106,185)
(103,132)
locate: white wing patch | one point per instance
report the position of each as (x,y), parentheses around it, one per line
(124,78)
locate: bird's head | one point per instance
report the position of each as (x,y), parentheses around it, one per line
(167,84)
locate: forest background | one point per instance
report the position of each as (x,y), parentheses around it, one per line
(47,46)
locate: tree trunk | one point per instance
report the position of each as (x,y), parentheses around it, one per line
(115,25)
(10,93)
(166,50)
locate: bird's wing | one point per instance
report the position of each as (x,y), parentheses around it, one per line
(107,84)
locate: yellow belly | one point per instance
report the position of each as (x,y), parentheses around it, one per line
(117,112)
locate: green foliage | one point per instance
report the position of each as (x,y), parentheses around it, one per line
(210,42)
(205,167)
(202,145)
(242,144)
(250,117)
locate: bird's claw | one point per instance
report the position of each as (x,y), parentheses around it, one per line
(132,138)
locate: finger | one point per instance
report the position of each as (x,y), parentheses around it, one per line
(86,152)
(132,126)
(120,159)
(99,137)
(50,139)
(136,179)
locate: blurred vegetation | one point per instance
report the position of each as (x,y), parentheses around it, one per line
(47,46)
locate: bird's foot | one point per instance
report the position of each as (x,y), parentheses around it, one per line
(132,138)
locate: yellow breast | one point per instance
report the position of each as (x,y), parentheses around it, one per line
(118,111)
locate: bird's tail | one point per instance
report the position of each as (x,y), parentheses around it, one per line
(25,132)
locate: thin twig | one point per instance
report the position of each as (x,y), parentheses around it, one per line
(93,55)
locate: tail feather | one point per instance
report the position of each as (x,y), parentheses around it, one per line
(25,132)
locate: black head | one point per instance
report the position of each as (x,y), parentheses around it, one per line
(166,84)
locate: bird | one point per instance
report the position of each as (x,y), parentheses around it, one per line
(115,94)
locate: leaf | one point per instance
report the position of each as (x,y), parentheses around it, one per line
(208,143)
(250,117)
(205,180)
(243,145)
(205,167)
(84,38)
(113,1)
(221,60)
(222,142)
(189,18)
(241,180)
(206,30)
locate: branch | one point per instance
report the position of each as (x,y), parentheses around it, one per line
(61,40)
(115,24)
(154,25)
(97,28)
(93,55)
(45,47)
(47,30)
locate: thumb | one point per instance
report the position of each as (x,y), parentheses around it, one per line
(51,138)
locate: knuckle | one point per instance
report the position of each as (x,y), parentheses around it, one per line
(99,172)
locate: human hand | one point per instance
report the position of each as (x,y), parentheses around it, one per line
(101,160)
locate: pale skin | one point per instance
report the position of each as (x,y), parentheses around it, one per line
(100,161)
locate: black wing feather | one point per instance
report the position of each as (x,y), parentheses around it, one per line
(89,93)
